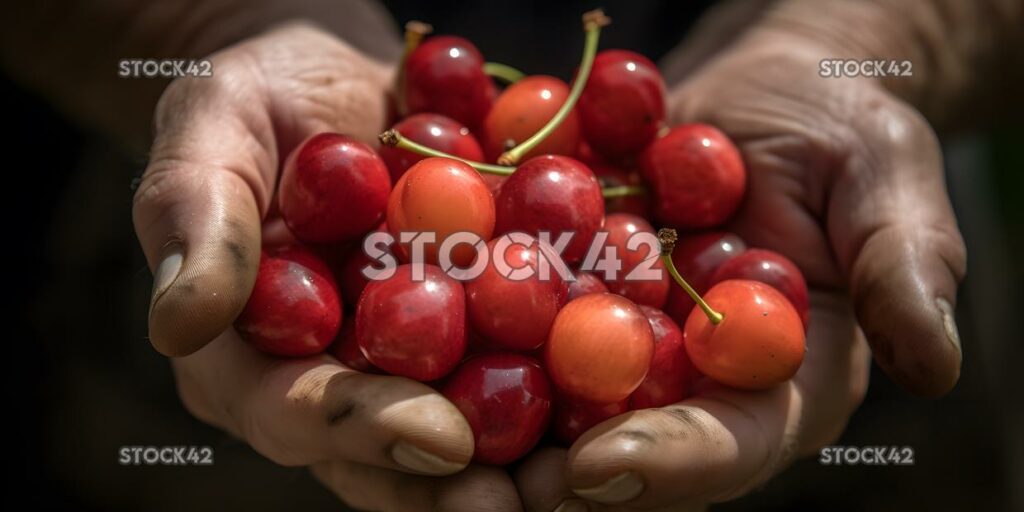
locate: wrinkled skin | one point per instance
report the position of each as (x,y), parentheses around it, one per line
(844,179)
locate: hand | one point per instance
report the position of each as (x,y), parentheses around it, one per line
(847,181)
(210,181)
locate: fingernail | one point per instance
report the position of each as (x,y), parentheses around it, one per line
(167,270)
(619,489)
(573,505)
(949,323)
(420,461)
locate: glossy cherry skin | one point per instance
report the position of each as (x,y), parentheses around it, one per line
(516,314)
(346,350)
(697,257)
(415,329)
(600,348)
(445,75)
(771,268)
(586,283)
(333,189)
(621,227)
(555,194)
(522,110)
(442,196)
(349,270)
(611,176)
(623,104)
(506,398)
(294,309)
(671,374)
(573,417)
(434,131)
(697,175)
(760,342)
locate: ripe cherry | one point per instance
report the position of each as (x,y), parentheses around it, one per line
(555,194)
(771,268)
(623,104)
(697,175)
(515,313)
(758,344)
(349,273)
(441,196)
(641,259)
(434,131)
(346,350)
(697,257)
(506,398)
(445,74)
(294,310)
(573,417)
(671,373)
(600,348)
(333,189)
(415,329)
(586,283)
(522,110)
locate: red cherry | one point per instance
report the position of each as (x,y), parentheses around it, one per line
(445,74)
(574,417)
(333,189)
(441,196)
(415,329)
(623,104)
(346,350)
(697,257)
(771,268)
(600,348)
(586,283)
(621,227)
(697,175)
(555,194)
(436,132)
(671,373)
(522,110)
(506,398)
(611,176)
(294,310)
(516,314)
(758,344)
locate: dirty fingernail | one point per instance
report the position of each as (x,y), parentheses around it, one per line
(618,489)
(949,323)
(421,461)
(573,505)
(167,270)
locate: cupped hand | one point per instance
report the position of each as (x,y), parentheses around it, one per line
(847,181)
(379,442)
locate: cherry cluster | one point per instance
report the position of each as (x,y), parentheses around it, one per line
(523,356)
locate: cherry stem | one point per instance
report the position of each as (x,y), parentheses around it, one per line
(394,139)
(592,23)
(667,237)
(503,72)
(415,31)
(623,191)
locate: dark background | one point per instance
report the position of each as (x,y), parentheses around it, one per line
(83,379)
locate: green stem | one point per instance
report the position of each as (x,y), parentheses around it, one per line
(394,139)
(623,191)
(592,23)
(668,237)
(503,72)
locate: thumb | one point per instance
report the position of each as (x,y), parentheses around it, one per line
(895,234)
(198,207)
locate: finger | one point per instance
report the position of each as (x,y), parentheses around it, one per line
(198,207)
(894,232)
(542,484)
(372,488)
(722,443)
(304,411)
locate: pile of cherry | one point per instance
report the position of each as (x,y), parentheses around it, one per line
(523,357)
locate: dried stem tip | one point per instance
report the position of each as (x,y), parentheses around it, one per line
(595,18)
(667,238)
(389,138)
(418,27)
